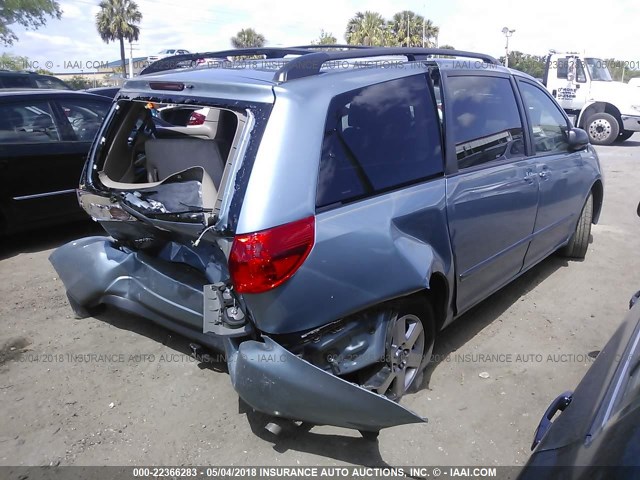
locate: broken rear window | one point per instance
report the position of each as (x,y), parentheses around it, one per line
(168,158)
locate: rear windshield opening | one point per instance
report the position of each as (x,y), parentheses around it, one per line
(168,147)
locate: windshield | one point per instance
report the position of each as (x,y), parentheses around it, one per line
(598,70)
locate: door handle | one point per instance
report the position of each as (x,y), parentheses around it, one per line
(528,176)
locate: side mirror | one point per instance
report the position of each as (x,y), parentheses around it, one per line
(578,139)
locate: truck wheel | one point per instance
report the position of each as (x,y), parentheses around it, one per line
(410,339)
(602,128)
(579,241)
(624,135)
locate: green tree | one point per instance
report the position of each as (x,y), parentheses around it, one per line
(78,82)
(119,20)
(631,74)
(366,28)
(446,47)
(325,39)
(13,62)
(248,38)
(410,29)
(620,70)
(534,65)
(31,14)
(9,61)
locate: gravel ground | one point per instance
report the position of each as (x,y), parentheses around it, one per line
(145,401)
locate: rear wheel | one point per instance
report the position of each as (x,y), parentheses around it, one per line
(579,241)
(603,129)
(409,345)
(624,135)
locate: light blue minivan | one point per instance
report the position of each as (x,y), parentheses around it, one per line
(332,211)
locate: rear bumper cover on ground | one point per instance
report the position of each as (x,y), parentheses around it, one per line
(272,380)
(268,377)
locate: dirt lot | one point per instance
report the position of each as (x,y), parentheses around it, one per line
(145,401)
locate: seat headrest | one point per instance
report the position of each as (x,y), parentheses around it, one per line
(43,121)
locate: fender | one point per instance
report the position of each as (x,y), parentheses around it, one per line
(586,106)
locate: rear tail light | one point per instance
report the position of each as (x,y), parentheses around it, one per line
(264,260)
(196,119)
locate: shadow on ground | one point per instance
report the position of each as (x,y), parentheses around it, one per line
(627,143)
(297,436)
(46,238)
(208,359)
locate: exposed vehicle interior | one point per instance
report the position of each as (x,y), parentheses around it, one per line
(168,145)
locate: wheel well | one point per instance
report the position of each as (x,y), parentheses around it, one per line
(600,107)
(597,192)
(437,295)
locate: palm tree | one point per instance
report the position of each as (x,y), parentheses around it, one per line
(368,28)
(247,38)
(408,29)
(431,33)
(325,38)
(117,20)
(404,27)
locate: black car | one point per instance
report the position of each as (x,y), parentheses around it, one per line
(44,139)
(597,435)
(12,79)
(110,92)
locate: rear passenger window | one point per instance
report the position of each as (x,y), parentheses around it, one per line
(486,122)
(17,81)
(29,122)
(379,138)
(51,82)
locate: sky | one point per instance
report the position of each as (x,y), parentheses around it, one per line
(72,43)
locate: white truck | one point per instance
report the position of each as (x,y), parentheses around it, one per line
(609,111)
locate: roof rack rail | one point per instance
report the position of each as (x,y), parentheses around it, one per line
(329,46)
(311,63)
(174,61)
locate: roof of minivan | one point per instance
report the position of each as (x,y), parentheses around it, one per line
(258,76)
(263,70)
(47,92)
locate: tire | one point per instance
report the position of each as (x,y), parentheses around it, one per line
(602,128)
(624,135)
(579,241)
(411,332)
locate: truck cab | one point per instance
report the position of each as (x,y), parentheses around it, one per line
(609,111)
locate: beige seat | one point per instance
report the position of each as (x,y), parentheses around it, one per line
(166,156)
